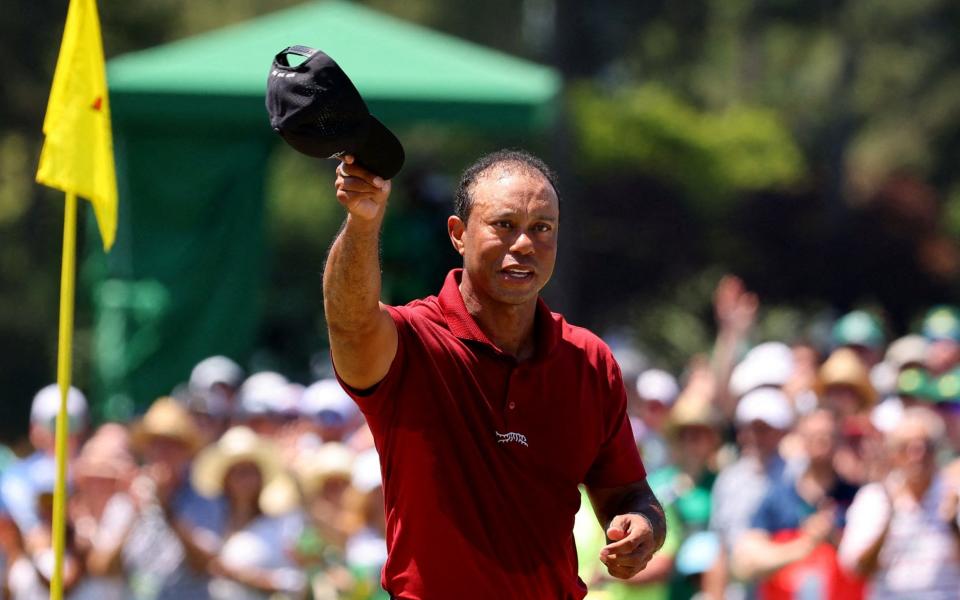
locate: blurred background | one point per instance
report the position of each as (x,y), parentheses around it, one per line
(808,147)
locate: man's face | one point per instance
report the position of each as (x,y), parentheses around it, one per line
(169,451)
(509,243)
(913,450)
(819,434)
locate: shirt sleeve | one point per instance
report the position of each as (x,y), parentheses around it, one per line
(618,461)
(866,519)
(19,498)
(765,516)
(373,400)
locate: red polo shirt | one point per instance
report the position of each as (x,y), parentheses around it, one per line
(481,454)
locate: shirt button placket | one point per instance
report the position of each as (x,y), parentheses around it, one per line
(514,392)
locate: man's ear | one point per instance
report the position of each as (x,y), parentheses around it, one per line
(456,229)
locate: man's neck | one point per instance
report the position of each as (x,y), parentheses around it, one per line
(509,326)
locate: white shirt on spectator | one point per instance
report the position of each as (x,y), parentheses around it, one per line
(919,558)
(263,544)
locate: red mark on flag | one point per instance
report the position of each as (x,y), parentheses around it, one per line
(97,103)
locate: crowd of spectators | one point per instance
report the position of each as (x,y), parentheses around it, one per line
(233,487)
(785,470)
(800,471)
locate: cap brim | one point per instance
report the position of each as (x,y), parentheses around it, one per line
(373,145)
(380,151)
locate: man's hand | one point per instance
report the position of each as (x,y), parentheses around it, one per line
(361,192)
(631,546)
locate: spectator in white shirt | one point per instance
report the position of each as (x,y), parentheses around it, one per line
(902,532)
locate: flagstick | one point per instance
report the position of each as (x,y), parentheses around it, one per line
(65,351)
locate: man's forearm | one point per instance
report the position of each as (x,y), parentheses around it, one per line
(351,280)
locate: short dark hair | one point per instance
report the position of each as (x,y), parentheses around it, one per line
(463,202)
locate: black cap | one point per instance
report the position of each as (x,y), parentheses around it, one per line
(318,111)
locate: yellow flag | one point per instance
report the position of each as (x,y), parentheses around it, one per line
(77,153)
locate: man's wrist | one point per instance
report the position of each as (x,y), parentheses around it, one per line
(366,226)
(657,526)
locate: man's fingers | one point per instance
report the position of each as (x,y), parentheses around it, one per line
(615,534)
(347,170)
(623,546)
(356,184)
(630,561)
(625,567)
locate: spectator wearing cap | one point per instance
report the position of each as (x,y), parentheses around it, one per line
(325,475)
(763,417)
(845,389)
(102,512)
(16,489)
(902,378)
(941,327)
(331,412)
(29,575)
(268,402)
(656,392)
(947,405)
(252,563)
(177,530)
(907,352)
(861,332)
(209,410)
(902,532)
(767,365)
(217,380)
(844,385)
(791,544)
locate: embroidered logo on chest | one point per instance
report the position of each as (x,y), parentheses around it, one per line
(511,437)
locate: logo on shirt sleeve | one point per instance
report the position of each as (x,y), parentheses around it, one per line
(511,437)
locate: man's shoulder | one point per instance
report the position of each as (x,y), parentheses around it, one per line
(581,337)
(425,309)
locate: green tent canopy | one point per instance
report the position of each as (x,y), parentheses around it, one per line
(192,140)
(404,71)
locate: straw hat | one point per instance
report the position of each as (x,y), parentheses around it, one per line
(315,467)
(692,411)
(844,368)
(239,444)
(281,495)
(167,418)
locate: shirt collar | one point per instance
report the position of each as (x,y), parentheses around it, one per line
(462,324)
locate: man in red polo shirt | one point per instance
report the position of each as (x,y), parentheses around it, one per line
(488,410)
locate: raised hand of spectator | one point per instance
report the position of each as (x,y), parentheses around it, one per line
(735,308)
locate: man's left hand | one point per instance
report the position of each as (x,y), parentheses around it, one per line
(631,546)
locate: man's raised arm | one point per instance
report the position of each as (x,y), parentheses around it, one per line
(363,336)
